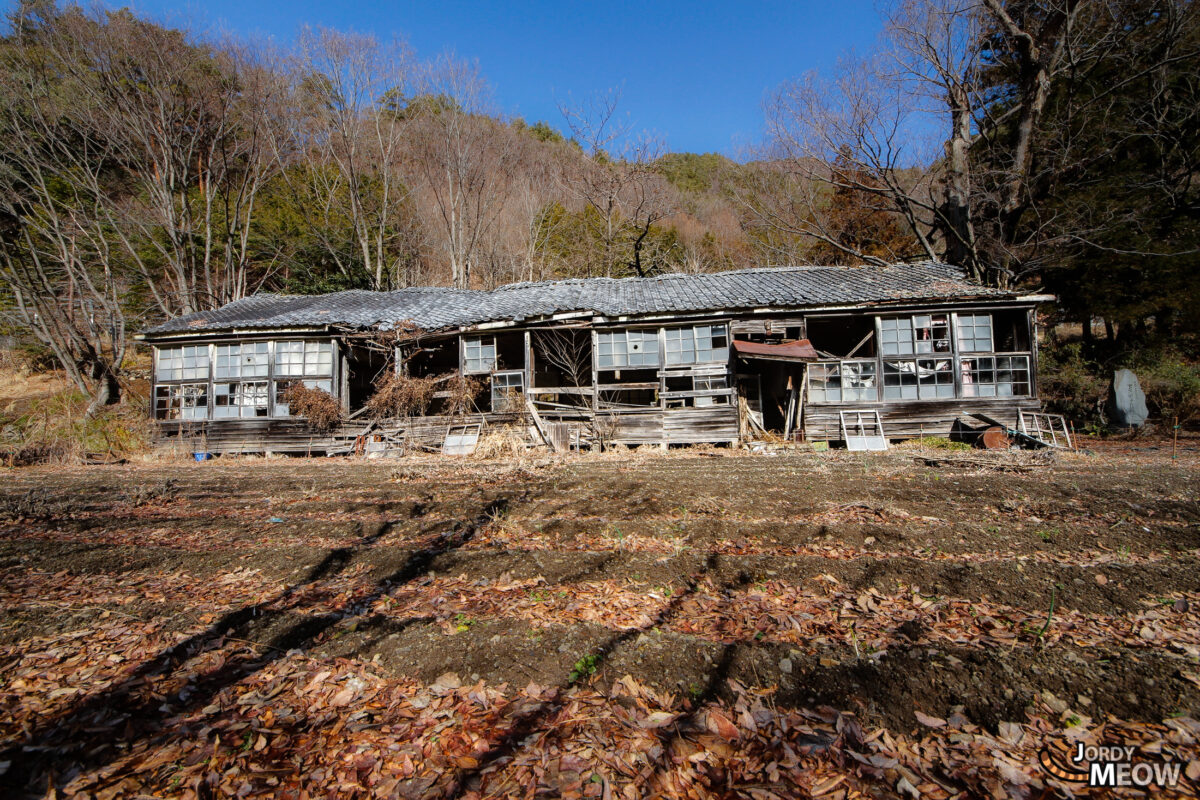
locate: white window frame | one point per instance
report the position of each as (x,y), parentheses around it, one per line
(238,361)
(248,398)
(628,348)
(507,379)
(187,363)
(900,336)
(482,346)
(693,344)
(181,398)
(970,322)
(305,358)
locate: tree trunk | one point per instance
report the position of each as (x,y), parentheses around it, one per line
(107,391)
(955,213)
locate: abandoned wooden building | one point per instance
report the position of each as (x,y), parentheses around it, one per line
(722,357)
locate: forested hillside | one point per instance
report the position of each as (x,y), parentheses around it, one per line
(147,172)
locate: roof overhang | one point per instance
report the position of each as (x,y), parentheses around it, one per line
(801,350)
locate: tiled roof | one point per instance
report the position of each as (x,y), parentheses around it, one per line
(436,308)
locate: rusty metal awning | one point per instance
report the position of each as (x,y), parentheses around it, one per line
(801,350)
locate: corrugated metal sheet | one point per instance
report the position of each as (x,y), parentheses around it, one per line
(436,308)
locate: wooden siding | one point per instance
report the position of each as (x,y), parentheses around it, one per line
(233,436)
(908,419)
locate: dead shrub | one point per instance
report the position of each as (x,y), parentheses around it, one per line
(401,396)
(44,452)
(461,391)
(320,409)
(501,443)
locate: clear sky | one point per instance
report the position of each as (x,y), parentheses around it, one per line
(694,73)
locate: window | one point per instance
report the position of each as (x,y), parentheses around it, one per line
(245,360)
(479,354)
(842,380)
(187,363)
(712,383)
(932,332)
(305,359)
(246,399)
(896,336)
(906,336)
(702,344)
(995,376)
(508,391)
(922,378)
(975,333)
(281,387)
(185,401)
(627,348)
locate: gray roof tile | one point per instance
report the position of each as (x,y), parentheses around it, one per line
(433,308)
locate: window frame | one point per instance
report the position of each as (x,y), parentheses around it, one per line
(624,353)
(689,338)
(483,343)
(503,380)
(249,361)
(866,392)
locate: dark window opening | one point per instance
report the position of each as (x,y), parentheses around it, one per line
(839,336)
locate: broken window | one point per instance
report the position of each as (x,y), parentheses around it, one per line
(975,333)
(479,354)
(838,381)
(508,391)
(696,391)
(627,348)
(700,344)
(717,384)
(932,332)
(244,399)
(843,336)
(281,388)
(921,378)
(189,362)
(995,376)
(185,401)
(921,333)
(245,360)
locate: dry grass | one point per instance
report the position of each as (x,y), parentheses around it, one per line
(501,443)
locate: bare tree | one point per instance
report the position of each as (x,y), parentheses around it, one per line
(463,158)
(877,114)
(185,121)
(568,351)
(343,157)
(617,181)
(55,249)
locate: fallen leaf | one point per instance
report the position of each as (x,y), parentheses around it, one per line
(932,722)
(718,724)
(658,719)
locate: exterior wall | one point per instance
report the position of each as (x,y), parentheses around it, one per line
(909,420)
(954,371)
(674,403)
(208,384)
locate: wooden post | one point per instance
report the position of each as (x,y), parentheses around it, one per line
(1174,438)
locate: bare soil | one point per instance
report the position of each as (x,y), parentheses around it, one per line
(875,585)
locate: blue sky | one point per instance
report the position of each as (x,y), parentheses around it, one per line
(694,73)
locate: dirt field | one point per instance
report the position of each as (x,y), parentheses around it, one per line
(918,623)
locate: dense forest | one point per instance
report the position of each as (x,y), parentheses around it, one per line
(147,172)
